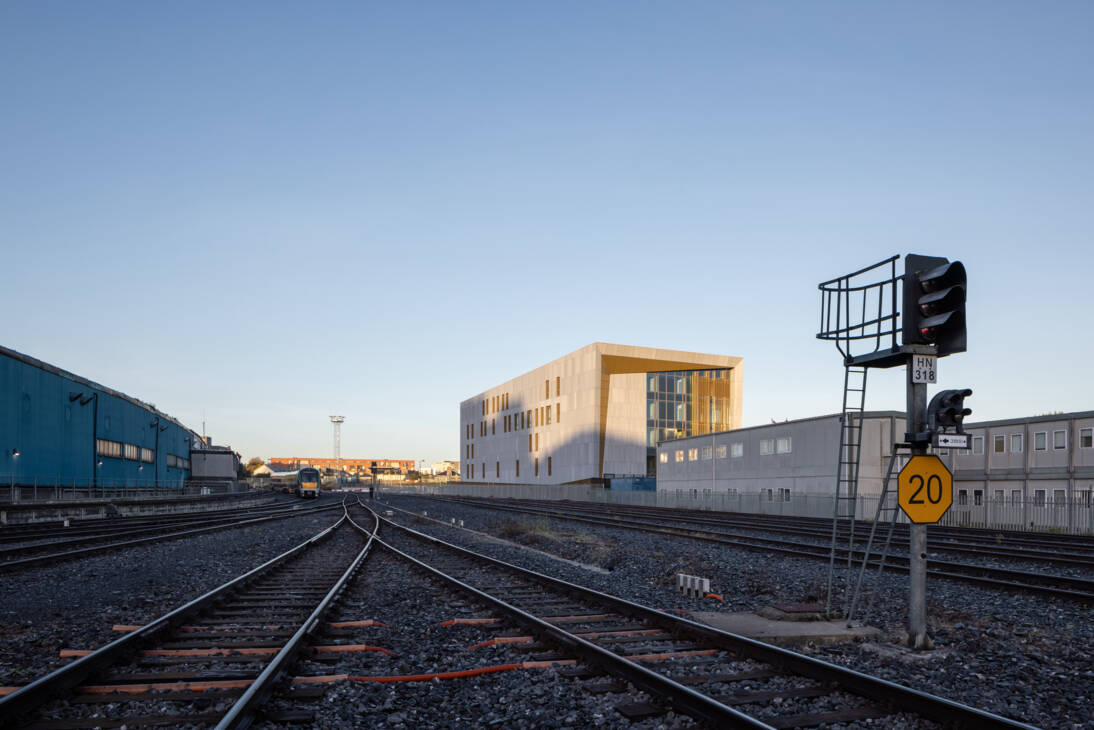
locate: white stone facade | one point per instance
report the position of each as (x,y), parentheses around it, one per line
(575,418)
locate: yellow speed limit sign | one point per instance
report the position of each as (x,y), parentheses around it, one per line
(925,489)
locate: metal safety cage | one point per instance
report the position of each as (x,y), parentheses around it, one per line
(861,311)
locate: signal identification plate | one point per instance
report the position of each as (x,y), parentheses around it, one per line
(924,368)
(951,440)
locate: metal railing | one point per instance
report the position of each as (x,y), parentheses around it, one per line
(13,491)
(1075,516)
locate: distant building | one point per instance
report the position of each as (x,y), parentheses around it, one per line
(213,462)
(444,468)
(361,467)
(596,413)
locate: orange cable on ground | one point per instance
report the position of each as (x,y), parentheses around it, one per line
(714,595)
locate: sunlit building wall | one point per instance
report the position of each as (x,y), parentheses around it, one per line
(595,413)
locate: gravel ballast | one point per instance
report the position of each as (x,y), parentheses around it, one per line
(1021,656)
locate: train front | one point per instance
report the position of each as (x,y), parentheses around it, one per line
(309,483)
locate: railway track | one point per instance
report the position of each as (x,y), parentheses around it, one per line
(1046,584)
(212,661)
(1064,550)
(717,678)
(32,556)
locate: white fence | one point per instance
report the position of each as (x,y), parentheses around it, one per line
(1072,516)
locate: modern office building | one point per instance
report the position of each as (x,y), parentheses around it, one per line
(595,414)
(57,428)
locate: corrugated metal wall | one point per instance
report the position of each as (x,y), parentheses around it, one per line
(54,435)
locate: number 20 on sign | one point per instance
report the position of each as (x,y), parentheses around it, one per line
(925,489)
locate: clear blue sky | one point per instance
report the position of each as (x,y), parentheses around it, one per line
(271,212)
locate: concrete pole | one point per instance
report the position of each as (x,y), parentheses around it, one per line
(917,547)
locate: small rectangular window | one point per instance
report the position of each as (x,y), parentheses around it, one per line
(998,496)
(767,447)
(1016,496)
(782,445)
(547,413)
(547,388)
(1039,497)
(147,456)
(529,443)
(978,496)
(707,452)
(737,450)
(1000,444)
(537,418)
(962,496)
(1059,496)
(1059,440)
(132,452)
(497,469)
(1040,441)
(537,442)
(493,426)
(1086,438)
(549,466)
(1016,443)
(663,457)
(679,455)
(693,454)
(558,413)
(720,451)
(518,467)
(537,466)
(977,444)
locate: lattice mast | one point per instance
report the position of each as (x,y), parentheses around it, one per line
(337,422)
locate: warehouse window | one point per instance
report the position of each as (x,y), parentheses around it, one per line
(1059,440)
(1000,444)
(1040,441)
(132,452)
(707,451)
(1086,438)
(693,454)
(113,449)
(679,455)
(147,456)
(767,447)
(663,457)
(737,450)
(172,460)
(720,451)
(782,445)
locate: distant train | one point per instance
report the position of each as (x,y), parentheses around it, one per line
(303,482)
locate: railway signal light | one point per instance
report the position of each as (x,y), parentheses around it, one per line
(947,410)
(934,303)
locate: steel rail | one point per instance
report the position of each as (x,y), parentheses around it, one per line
(241,714)
(1042,550)
(69,676)
(907,699)
(98,549)
(682,698)
(1046,584)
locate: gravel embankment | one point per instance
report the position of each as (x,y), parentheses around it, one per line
(1021,656)
(75,604)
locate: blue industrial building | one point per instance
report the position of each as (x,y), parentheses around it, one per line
(59,428)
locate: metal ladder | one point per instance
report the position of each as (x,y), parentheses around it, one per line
(847,471)
(887,511)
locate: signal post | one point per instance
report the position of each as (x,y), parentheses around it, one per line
(930,319)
